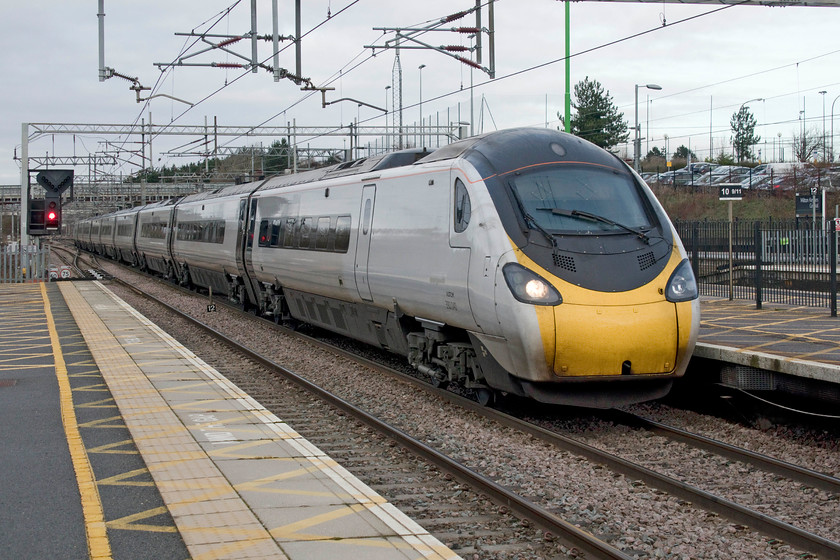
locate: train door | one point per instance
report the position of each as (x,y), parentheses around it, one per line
(468,265)
(248,223)
(363,242)
(171,232)
(240,233)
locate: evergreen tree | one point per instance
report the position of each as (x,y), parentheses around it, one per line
(743,130)
(655,152)
(277,158)
(596,117)
(683,153)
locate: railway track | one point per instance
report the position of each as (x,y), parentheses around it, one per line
(70,257)
(775,529)
(577,539)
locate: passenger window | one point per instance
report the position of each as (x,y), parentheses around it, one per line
(289,233)
(463,207)
(263,240)
(276,233)
(366,218)
(342,234)
(305,232)
(323,235)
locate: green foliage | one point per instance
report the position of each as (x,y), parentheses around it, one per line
(682,153)
(743,133)
(277,158)
(724,159)
(655,153)
(705,204)
(596,117)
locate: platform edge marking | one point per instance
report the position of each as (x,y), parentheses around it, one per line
(97,538)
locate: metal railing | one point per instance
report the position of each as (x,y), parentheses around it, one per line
(789,262)
(27,265)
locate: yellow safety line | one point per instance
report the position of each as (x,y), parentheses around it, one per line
(97,537)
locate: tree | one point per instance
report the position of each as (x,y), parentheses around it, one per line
(684,153)
(596,116)
(655,153)
(277,158)
(743,133)
(807,145)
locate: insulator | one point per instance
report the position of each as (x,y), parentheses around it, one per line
(469,62)
(228,65)
(467,29)
(227,42)
(453,17)
(455,48)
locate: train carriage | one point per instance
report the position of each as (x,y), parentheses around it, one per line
(208,232)
(525,261)
(153,237)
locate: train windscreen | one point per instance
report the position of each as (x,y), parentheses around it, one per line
(582,199)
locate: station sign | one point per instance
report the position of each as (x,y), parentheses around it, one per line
(730,191)
(808,204)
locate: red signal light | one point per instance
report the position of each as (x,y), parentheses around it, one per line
(51,215)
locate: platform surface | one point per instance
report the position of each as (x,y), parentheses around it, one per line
(799,341)
(232,479)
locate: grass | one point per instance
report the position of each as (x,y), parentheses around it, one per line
(686,204)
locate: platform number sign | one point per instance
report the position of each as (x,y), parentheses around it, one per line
(730,192)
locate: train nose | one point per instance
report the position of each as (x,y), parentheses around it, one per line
(605,340)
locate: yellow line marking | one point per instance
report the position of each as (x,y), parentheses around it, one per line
(105,423)
(104,403)
(128,522)
(293,530)
(97,536)
(112,449)
(122,479)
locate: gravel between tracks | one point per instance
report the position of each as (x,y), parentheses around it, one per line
(638,519)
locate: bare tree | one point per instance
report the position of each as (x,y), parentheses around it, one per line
(807,144)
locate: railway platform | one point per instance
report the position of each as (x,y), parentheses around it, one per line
(118,442)
(791,349)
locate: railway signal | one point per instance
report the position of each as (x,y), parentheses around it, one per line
(52,213)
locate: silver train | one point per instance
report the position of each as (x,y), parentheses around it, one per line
(524,261)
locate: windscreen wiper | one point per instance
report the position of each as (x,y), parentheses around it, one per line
(596,218)
(531,222)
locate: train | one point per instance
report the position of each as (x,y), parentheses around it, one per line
(525,262)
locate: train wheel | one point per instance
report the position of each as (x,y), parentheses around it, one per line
(485,396)
(439,383)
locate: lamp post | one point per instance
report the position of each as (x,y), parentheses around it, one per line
(387,134)
(832,126)
(823,92)
(637,143)
(781,150)
(420,68)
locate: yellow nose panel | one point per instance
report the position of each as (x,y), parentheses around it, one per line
(597,340)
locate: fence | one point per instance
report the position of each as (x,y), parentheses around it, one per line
(29,265)
(789,262)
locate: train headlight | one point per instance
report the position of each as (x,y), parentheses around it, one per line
(529,287)
(682,286)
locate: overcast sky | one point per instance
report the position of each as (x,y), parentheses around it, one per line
(707,66)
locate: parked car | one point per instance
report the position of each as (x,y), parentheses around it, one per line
(701,167)
(733,177)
